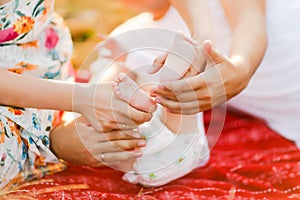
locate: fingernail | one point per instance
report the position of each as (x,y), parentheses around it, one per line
(117,92)
(153,108)
(137,153)
(136,135)
(153,93)
(161,87)
(157,100)
(142,143)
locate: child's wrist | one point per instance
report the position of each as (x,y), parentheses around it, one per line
(82,96)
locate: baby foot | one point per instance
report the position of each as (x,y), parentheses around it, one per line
(127,90)
(179,60)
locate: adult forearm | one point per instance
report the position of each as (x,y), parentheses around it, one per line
(30,92)
(249,41)
(196,14)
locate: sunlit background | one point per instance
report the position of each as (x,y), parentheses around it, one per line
(89,18)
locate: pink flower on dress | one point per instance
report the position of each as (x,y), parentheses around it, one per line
(8,35)
(51,39)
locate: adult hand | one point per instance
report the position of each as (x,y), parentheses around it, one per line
(103,110)
(79,143)
(220,82)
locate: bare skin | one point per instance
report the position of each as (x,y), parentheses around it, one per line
(127,90)
(174,65)
(230,75)
(141,100)
(2,2)
(185,59)
(157,8)
(117,146)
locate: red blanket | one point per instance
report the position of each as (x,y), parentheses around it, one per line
(249,161)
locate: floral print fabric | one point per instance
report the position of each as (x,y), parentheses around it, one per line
(33,42)
(23,20)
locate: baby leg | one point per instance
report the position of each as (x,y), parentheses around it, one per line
(175,144)
(127,90)
(178,61)
(167,156)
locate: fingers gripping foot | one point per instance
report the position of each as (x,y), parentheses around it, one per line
(127,90)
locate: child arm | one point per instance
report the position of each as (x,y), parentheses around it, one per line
(95,101)
(24,91)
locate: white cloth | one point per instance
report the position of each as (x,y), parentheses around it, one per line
(273,94)
(167,156)
(170,21)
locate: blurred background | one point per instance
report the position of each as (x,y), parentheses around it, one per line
(89,18)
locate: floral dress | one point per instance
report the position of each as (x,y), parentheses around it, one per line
(33,42)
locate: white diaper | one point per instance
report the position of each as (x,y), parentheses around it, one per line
(167,156)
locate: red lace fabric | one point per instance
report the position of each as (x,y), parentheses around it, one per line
(249,161)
